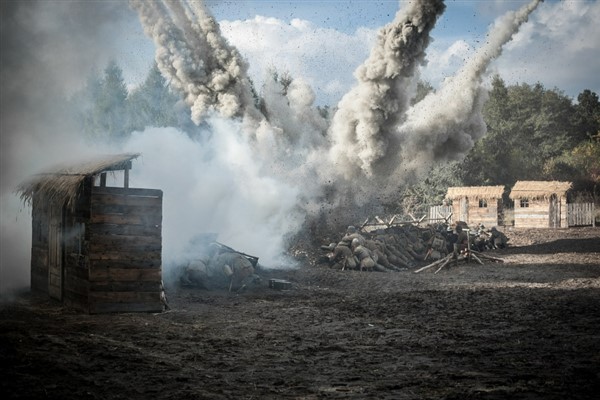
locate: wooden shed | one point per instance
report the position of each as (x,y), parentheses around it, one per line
(477,204)
(540,204)
(96,248)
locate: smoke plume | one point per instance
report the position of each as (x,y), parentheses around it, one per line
(370,112)
(191,51)
(445,124)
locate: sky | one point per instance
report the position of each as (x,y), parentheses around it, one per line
(324,41)
(49,48)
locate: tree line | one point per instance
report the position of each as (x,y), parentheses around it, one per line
(533,133)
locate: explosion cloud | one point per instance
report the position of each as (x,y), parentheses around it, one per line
(261,171)
(375,142)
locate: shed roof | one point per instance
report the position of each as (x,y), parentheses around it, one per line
(539,189)
(62,183)
(475,192)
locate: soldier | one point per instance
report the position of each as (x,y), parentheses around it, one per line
(462,241)
(194,274)
(498,240)
(351,234)
(342,257)
(364,256)
(231,269)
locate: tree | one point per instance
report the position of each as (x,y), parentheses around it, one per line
(527,125)
(152,103)
(587,115)
(111,103)
(84,105)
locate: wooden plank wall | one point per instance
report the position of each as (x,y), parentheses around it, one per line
(488,216)
(581,214)
(437,214)
(124,249)
(537,215)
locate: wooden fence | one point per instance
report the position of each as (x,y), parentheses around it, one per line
(580,214)
(440,214)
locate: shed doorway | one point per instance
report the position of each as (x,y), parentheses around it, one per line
(464,209)
(554,212)
(55,252)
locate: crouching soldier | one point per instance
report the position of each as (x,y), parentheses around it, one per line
(194,274)
(498,240)
(231,270)
(341,257)
(365,258)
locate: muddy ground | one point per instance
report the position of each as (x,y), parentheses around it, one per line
(525,329)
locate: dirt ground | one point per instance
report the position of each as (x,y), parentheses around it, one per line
(525,329)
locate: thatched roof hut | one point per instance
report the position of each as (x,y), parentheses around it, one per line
(540,204)
(539,189)
(95,247)
(475,192)
(476,204)
(63,183)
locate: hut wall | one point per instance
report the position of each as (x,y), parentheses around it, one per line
(535,215)
(487,216)
(124,250)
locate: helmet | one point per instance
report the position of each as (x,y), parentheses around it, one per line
(355,242)
(351,229)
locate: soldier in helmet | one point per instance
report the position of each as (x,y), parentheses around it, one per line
(351,234)
(342,257)
(462,240)
(364,255)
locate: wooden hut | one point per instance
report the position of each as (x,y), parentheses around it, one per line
(94,247)
(540,204)
(477,204)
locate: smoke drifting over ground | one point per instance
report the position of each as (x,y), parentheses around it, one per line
(256,175)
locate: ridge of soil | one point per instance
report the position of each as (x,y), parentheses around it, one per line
(527,328)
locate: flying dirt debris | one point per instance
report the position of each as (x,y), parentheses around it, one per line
(214,265)
(401,247)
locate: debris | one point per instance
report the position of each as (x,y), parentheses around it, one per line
(280,284)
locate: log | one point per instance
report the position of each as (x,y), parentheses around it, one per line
(476,258)
(442,266)
(481,255)
(433,264)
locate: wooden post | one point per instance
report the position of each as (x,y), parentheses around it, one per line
(103,179)
(126,178)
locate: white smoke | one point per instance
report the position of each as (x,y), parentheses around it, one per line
(446,124)
(191,51)
(208,190)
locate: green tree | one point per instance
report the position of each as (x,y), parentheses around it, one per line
(587,115)
(111,103)
(152,103)
(527,126)
(84,104)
